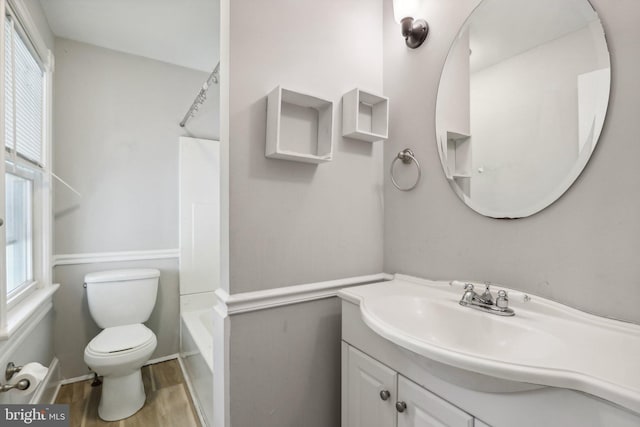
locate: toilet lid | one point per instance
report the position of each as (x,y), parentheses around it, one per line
(121,338)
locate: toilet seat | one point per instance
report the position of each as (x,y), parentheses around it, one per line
(121,340)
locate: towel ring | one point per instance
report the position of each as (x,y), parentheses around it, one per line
(407,157)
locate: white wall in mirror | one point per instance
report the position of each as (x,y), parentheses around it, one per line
(532,147)
(536,108)
(528,25)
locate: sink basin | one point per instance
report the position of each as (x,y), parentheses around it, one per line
(545,343)
(468,331)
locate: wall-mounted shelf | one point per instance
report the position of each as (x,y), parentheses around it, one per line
(299,127)
(365,116)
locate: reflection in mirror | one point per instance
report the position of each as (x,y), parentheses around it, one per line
(521,103)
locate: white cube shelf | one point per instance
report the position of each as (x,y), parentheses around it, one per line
(365,116)
(299,127)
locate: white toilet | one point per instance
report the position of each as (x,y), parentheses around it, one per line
(120,301)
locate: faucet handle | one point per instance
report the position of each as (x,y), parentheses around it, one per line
(503,299)
(469,294)
(486,295)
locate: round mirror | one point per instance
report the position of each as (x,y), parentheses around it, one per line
(521,103)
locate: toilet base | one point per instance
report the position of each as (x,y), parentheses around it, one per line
(122,396)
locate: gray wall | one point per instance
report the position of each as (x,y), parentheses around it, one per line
(285,366)
(293,223)
(582,250)
(116,141)
(74,327)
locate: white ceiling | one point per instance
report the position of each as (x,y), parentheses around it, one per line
(181,32)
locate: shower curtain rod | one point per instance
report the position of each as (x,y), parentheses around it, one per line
(201,96)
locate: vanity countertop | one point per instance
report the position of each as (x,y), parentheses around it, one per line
(545,343)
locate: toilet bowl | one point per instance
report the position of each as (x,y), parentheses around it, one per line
(119,301)
(117,354)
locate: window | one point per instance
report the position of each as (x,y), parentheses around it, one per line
(26,186)
(19,202)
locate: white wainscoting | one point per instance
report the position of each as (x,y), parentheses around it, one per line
(260,300)
(228,305)
(99,257)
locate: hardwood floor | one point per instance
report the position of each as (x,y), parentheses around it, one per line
(168,401)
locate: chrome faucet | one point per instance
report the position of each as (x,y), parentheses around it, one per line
(485,302)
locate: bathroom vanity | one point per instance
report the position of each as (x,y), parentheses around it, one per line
(413,356)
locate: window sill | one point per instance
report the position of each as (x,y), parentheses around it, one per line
(27,309)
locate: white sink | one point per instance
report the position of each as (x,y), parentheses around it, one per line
(545,343)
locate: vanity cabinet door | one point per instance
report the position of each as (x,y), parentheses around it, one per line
(421,408)
(368,391)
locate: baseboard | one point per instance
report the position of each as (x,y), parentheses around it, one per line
(163,359)
(90,375)
(47,391)
(76,379)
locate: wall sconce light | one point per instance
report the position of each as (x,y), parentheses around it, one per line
(414,31)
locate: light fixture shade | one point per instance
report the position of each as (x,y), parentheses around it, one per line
(405,9)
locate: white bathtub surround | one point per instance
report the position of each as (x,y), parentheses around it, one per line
(545,346)
(196,350)
(196,357)
(203,261)
(199,329)
(200,214)
(204,422)
(199,301)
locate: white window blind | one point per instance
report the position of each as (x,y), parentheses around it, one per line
(24,80)
(9,140)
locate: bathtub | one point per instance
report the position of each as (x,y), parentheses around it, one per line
(196,353)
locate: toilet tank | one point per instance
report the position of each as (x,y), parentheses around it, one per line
(122,297)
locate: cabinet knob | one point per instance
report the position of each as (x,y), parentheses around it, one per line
(384,394)
(401,406)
